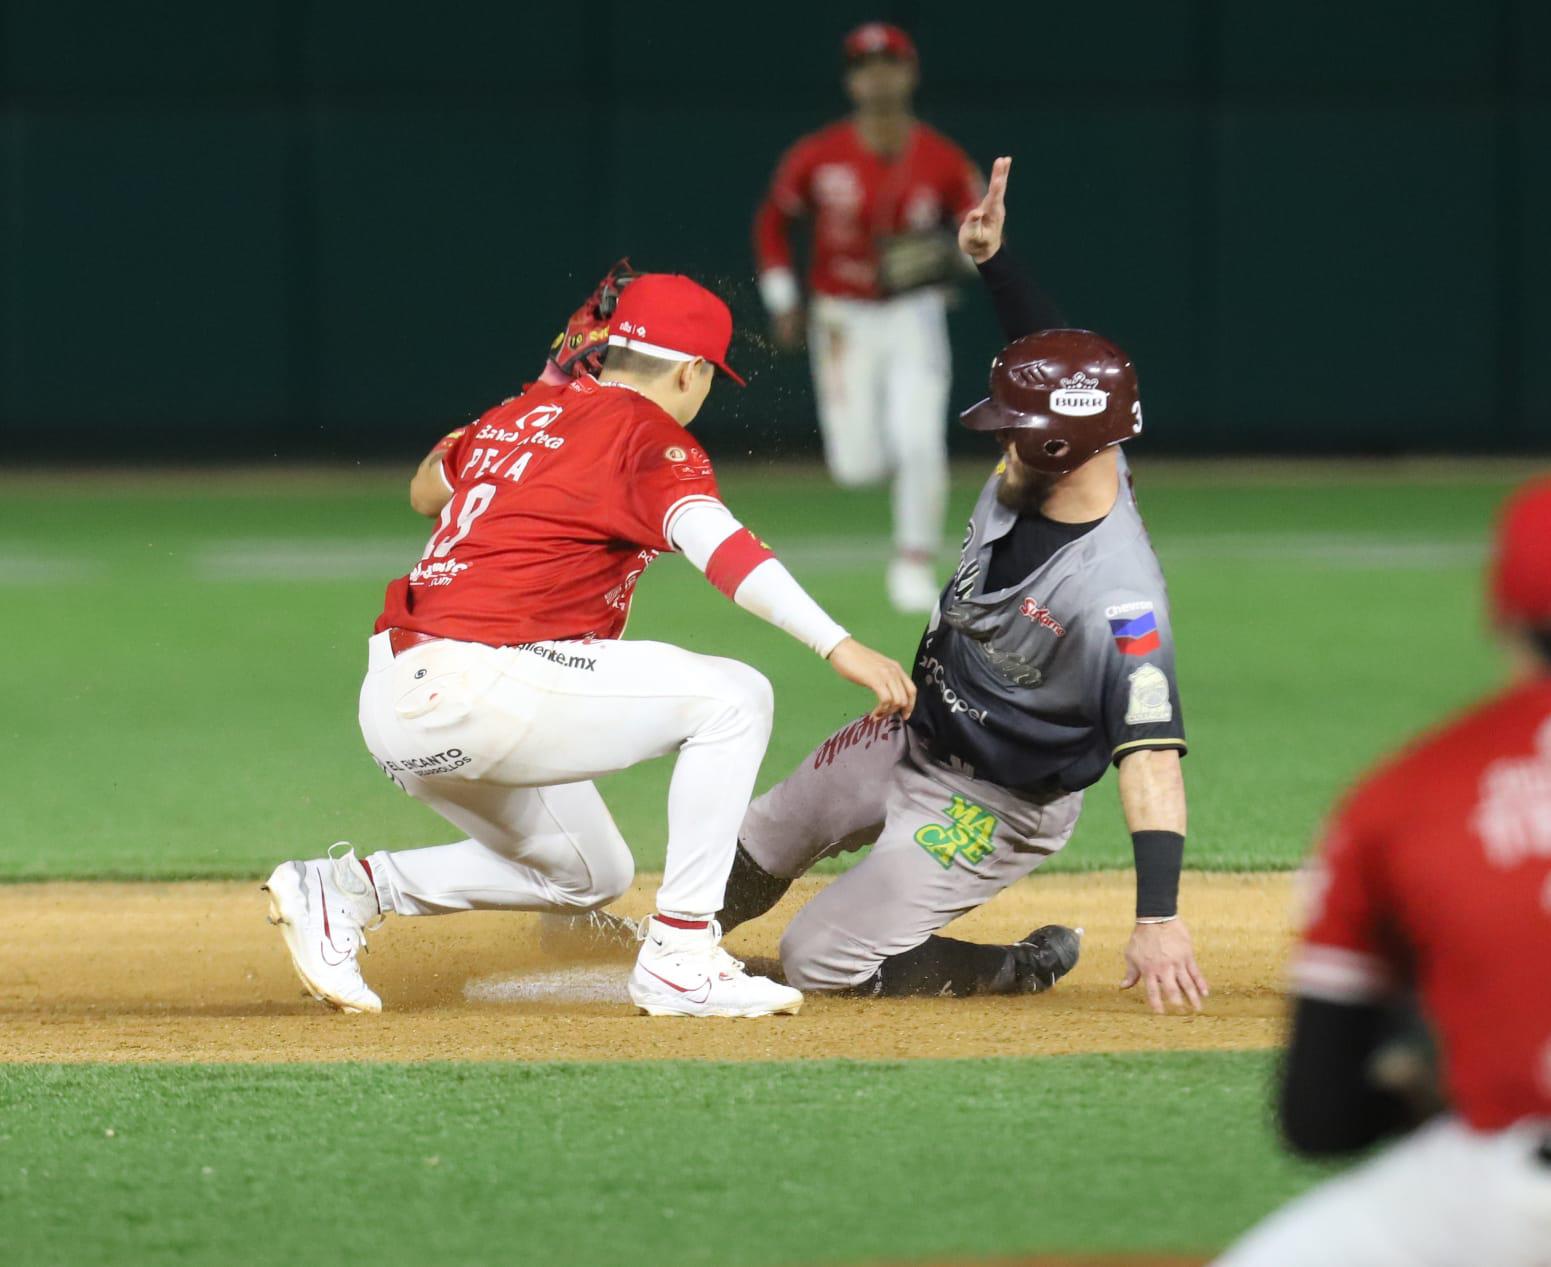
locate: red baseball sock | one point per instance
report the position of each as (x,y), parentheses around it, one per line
(672,921)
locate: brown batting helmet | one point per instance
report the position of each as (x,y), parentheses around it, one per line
(1064,395)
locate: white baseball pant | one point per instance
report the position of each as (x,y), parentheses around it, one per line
(1445,1196)
(503,742)
(881,370)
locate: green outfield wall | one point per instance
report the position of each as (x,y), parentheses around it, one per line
(330,227)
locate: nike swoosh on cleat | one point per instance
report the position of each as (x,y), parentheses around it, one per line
(323,953)
(703,988)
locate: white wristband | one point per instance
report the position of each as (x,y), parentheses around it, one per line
(1156,919)
(778,288)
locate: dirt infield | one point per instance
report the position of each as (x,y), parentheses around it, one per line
(142,972)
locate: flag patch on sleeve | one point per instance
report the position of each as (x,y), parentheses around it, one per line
(1135,628)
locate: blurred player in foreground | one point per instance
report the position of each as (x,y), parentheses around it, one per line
(498,685)
(1049,657)
(1434,881)
(883,191)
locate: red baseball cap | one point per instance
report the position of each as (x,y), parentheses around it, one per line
(670,316)
(879,39)
(1521,571)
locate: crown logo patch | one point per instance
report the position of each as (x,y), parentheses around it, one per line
(1079,396)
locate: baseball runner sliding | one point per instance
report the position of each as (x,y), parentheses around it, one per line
(498,683)
(1049,656)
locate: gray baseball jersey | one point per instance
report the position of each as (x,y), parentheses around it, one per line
(1038,687)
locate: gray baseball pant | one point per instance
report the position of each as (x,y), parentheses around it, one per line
(943,843)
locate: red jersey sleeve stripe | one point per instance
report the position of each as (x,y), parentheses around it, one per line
(734,559)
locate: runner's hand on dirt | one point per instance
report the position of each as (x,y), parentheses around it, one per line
(1162,958)
(883,677)
(980,233)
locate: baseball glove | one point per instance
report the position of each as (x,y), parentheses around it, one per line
(909,261)
(1405,1062)
(578,349)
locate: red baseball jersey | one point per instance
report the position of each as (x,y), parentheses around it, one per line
(1436,874)
(561,498)
(857,196)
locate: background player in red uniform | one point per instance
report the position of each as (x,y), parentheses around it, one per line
(498,685)
(1435,877)
(881,190)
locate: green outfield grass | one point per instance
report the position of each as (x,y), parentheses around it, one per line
(657,1163)
(183,657)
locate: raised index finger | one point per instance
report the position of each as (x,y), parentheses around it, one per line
(996,191)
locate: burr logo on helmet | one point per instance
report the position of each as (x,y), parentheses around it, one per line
(1079,396)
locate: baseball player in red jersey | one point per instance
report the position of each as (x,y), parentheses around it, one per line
(1435,878)
(882,191)
(498,685)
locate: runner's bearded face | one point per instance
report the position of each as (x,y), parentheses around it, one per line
(1021,488)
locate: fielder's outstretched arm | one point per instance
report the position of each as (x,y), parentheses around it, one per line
(746,570)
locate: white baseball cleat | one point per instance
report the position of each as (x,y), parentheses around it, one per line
(685,972)
(912,585)
(324,908)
